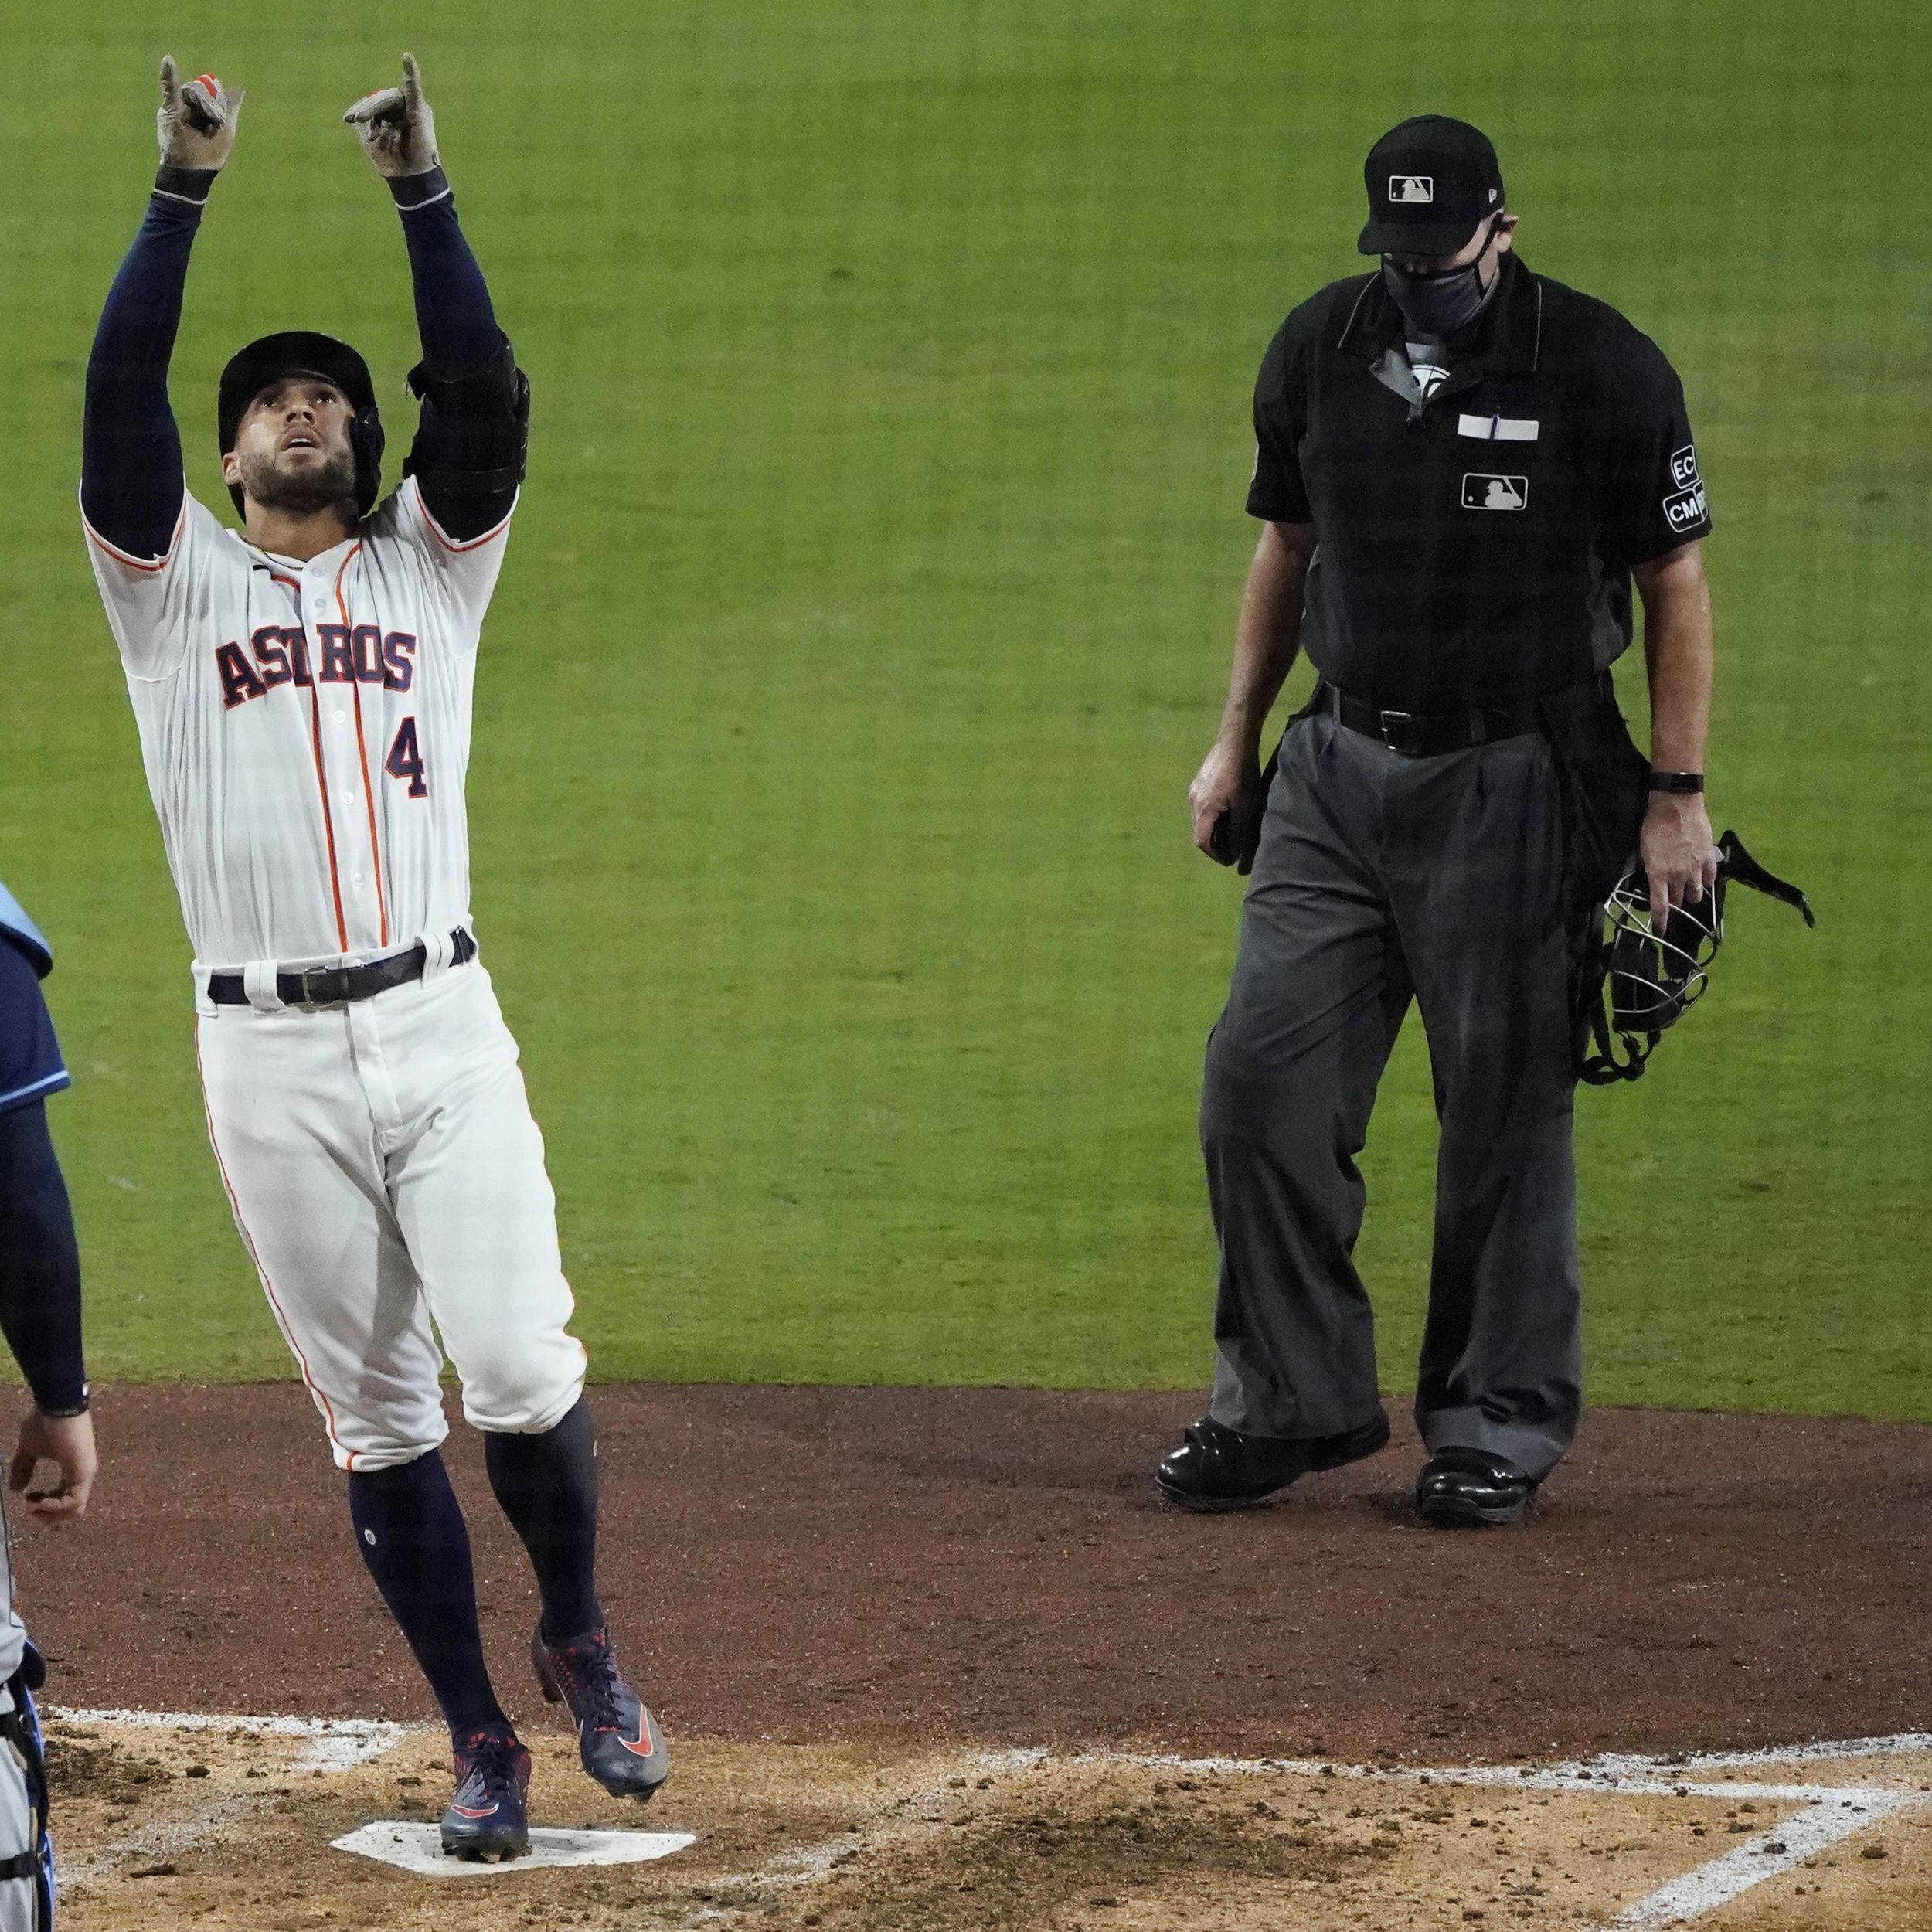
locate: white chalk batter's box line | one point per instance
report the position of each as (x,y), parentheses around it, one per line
(1832,1813)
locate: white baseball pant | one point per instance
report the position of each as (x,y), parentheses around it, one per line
(385,1173)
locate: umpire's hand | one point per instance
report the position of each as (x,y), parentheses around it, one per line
(1679,857)
(194,125)
(67,1441)
(1225,802)
(398,130)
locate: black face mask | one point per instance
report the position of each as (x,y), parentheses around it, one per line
(1436,305)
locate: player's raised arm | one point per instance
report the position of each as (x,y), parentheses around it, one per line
(131,483)
(467,457)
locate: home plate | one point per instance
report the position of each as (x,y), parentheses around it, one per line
(418,1848)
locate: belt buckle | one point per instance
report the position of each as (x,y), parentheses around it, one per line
(312,994)
(1395,727)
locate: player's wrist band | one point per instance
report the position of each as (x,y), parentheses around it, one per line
(412,191)
(185,184)
(1677,781)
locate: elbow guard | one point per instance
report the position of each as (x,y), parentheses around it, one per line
(473,434)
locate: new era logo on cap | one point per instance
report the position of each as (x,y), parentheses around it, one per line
(1411,187)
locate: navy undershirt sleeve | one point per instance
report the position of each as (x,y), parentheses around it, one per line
(453,312)
(473,427)
(39,1260)
(40,1263)
(132,484)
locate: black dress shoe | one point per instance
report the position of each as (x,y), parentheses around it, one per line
(1469,1488)
(1216,1468)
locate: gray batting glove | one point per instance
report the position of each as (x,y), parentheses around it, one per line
(195,123)
(398,130)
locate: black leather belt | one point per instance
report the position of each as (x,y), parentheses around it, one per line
(1426,734)
(337,986)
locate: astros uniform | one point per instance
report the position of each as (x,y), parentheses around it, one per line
(305,729)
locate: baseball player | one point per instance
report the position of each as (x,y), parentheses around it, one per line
(40,1316)
(302,689)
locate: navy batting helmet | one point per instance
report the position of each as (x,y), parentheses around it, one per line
(301,351)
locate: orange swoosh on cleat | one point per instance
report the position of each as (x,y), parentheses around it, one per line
(642,1747)
(463,1811)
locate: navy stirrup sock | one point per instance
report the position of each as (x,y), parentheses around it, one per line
(413,1537)
(547,1486)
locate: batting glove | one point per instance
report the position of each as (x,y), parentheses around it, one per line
(398,130)
(195,123)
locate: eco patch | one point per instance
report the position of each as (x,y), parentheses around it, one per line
(1484,492)
(1683,467)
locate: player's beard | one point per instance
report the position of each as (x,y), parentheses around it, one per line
(302,492)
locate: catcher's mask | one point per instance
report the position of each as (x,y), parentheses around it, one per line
(1646,980)
(302,352)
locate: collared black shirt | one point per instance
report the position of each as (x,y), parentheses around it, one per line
(1473,548)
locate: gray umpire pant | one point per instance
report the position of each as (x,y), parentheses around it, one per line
(1383,878)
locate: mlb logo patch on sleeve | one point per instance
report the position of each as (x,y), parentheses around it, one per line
(1481,491)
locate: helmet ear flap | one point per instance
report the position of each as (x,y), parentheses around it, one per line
(366,439)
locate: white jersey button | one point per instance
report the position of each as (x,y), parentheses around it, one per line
(341,716)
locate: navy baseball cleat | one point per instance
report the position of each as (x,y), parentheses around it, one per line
(486,1818)
(619,1740)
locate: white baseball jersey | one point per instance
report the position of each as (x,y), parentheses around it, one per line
(305,729)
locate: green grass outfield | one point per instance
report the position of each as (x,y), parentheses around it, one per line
(869,612)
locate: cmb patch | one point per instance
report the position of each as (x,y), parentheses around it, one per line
(1686,509)
(1481,491)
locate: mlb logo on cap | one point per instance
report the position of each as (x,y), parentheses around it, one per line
(1431,182)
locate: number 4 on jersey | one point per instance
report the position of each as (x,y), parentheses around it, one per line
(405,759)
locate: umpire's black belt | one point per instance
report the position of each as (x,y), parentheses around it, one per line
(1425,734)
(336,985)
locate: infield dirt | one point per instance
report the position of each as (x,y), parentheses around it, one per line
(852,1606)
(222,1830)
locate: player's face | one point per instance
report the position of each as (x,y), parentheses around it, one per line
(292,451)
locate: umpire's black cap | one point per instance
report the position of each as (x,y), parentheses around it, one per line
(1431,182)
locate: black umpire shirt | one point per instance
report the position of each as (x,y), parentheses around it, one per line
(1473,546)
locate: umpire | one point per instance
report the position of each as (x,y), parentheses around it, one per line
(1460,467)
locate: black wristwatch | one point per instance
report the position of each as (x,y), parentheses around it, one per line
(1677,781)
